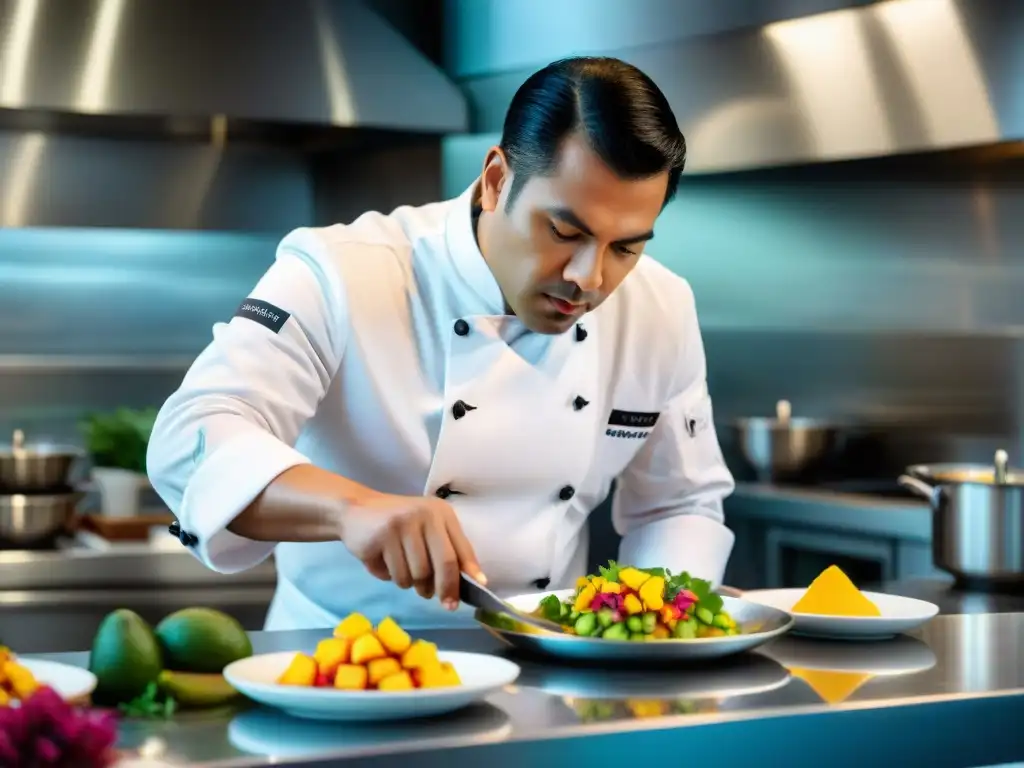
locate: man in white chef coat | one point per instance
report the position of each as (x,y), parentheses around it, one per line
(456,386)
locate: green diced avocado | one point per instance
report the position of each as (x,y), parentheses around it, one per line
(586,625)
(650,621)
(721,621)
(637,636)
(606,617)
(705,616)
(616,632)
(685,630)
(635,624)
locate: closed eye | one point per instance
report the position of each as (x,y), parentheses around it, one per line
(562,236)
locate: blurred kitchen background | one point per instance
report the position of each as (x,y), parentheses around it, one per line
(851,221)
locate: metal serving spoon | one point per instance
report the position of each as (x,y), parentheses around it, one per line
(476,595)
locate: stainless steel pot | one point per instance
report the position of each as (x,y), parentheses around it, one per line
(28,521)
(31,468)
(977,519)
(785,448)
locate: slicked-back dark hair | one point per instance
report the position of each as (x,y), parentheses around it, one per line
(623,115)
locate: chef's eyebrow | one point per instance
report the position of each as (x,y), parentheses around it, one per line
(569,217)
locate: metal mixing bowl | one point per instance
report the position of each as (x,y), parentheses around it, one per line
(32,468)
(785,448)
(29,521)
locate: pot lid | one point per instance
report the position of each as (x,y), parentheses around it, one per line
(996,473)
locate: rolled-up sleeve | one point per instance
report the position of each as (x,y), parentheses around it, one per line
(668,502)
(229,430)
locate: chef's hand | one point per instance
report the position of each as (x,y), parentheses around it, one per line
(413,541)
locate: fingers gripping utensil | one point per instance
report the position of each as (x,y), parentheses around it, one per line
(474,594)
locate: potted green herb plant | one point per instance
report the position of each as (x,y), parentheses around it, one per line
(117,444)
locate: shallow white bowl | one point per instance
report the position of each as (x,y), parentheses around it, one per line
(69,682)
(899,614)
(481,676)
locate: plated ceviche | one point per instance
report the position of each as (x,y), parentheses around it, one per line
(627,603)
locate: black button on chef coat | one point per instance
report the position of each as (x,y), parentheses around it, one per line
(567,493)
(542,583)
(579,403)
(581,332)
(187,539)
(461,327)
(460,408)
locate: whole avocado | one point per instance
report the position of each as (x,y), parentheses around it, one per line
(201,640)
(125,657)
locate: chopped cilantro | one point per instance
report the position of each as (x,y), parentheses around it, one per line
(551,608)
(611,573)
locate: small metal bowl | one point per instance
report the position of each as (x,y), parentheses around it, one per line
(784,448)
(36,468)
(29,521)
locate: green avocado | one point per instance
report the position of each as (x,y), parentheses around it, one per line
(125,657)
(202,640)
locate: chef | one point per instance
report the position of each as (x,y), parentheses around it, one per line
(456,386)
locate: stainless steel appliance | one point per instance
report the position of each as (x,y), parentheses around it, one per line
(977,520)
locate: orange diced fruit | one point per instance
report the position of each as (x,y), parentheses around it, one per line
(330,654)
(660,632)
(352,626)
(366,648)
(381,668)
(399,681)
(351,677)
(420,654)
(395,639)
(440,675)
(301,671)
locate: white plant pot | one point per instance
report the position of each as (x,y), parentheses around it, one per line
(119,491)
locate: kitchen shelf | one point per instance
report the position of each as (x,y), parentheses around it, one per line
(77,363)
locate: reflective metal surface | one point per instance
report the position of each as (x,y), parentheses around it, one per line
(36,520)
(948,694)
(917,75)
(977,526)
(327,62)
(758,624)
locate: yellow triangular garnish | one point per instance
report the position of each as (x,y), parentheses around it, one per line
(832,687)
(833,594)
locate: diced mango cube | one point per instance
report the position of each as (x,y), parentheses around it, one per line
(632,578)
(440,675)
(395,639)
(352,626)
(661,632)
(597,582)
(330,654)
(399,681)
(366,648)
(22,682)
(381,668)
(611,588)
(301,671)
(585,598)
(705,631)
(581,582)
(632,605)
(5,698)
(351,677)
(420,654)
(652,593)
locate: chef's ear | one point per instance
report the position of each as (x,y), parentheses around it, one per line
(495,176)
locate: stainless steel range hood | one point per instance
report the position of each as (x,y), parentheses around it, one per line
(327,63)
(894,77)
(883,78)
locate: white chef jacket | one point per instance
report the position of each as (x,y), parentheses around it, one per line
(380,350)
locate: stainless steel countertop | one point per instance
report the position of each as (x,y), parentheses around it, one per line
(951,693)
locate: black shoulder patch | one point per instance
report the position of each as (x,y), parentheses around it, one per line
(263,313)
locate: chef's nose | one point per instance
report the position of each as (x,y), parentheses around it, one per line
(585,268)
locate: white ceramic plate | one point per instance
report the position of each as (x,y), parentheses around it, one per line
(70,683)
(899,614)
(481,676)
